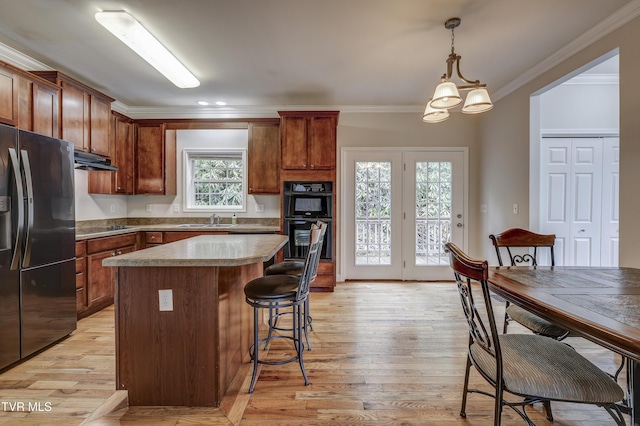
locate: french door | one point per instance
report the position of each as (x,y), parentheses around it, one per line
(400,207)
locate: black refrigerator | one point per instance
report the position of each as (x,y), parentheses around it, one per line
(37,243)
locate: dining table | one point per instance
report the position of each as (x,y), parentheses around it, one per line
(601,304)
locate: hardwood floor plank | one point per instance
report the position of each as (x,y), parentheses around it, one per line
(382,354)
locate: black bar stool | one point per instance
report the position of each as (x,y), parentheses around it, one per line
(293,267)
(275,292)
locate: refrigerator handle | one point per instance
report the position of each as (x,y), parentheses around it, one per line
(15,259)
(26,257)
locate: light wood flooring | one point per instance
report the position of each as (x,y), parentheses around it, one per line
(382,354)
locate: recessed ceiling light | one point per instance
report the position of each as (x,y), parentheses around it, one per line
(203,103)
(134,35)
(221,103)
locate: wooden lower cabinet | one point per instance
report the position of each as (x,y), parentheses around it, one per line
(100,280)
(81,276)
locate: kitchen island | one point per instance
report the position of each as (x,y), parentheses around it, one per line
(186,356)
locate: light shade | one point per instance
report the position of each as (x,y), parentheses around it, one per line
(446,96)
(434,115)
(138,39)
(477,101)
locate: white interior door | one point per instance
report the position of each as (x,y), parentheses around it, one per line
(400,208)
(574,172)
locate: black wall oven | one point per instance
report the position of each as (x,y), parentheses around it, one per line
(305,203)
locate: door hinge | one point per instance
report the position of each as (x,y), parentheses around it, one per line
(404,264)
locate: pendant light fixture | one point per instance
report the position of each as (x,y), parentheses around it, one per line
(447,93)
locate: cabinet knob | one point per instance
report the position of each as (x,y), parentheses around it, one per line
(153,237)
(312,166)
(119,188)
(113,254)
(250,189)
(304,166)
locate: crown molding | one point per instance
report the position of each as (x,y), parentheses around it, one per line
(20,60)
(617,19)
(243,111)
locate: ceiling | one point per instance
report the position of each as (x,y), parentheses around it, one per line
(264,55)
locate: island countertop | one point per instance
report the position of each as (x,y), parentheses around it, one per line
(205,250)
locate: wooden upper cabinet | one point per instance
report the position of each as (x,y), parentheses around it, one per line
(8,96)
(155,158)
(264,158)
(308,139)
(84,114)
(45,110)
(99,118)
(121,181)
(38,106)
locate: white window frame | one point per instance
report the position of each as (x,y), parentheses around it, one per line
(188,187)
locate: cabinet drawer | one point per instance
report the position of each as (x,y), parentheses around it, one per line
(109,243)
(325,268)
(80,280)
(81,299)
(81,248)
(153,238)
(81,263)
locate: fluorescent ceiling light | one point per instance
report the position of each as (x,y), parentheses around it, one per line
(203,103)
(138,39)
(221,103)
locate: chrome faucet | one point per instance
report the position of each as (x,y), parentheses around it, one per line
(214,219)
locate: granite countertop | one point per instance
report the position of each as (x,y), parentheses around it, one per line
(205,250)
(248,228)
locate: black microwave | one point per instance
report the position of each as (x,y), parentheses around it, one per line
(308,205)
(308,200)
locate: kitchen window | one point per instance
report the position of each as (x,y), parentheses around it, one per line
(215,180)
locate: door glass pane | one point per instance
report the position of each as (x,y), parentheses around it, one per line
(433,211)
(373,213)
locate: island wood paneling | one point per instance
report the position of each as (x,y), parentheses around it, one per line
(190,355)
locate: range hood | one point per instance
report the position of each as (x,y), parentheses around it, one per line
(91,162)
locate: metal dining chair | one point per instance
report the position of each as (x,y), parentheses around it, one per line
(532,367)
(511,241)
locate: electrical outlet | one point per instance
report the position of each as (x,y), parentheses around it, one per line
(166,300)
(176,208)
(148,207)
(112,208)
(515,209)
(259,208)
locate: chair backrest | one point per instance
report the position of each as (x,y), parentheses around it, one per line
(310,269)
(517,237)
(477,310)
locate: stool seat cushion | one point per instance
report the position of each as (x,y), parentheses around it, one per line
(285,268)
(272,287)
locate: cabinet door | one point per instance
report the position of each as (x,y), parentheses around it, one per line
(100,279)
(150,159)
(8,97)
(73,116)
(322,142)
(124,156)
(45,110)
(264,158)
(99,126)
(294,142)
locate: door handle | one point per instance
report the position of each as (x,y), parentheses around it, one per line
(15,165)
(26,257)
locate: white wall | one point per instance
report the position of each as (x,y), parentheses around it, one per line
(504,137)
(92,206)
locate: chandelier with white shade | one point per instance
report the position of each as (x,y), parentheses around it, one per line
(447,95)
